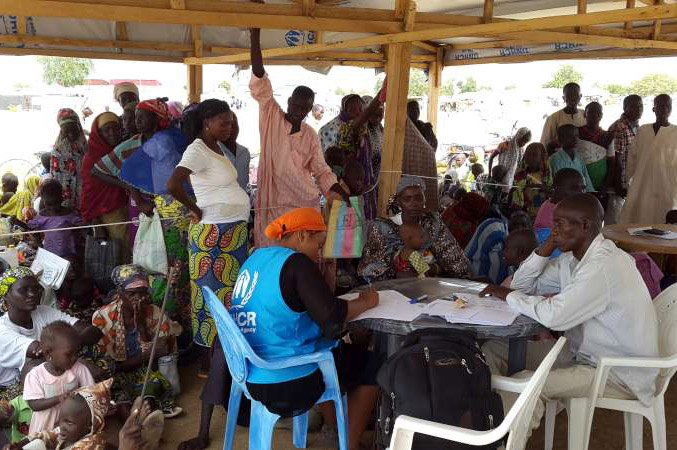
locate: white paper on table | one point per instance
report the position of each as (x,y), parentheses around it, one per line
(449,310)
(477,311)
(391,305)
(53,267)
(671,235)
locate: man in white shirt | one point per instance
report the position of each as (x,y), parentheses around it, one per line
(603,306)
(569,115)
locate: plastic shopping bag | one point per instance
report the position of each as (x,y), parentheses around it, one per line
(345,229)
(169,368)
(149,245)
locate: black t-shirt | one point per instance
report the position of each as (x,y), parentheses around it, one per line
(304,289)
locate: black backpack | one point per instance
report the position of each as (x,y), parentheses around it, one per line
(438,375)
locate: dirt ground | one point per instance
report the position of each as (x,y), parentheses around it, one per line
(607,433)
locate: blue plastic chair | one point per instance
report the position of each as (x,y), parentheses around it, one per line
(240,356)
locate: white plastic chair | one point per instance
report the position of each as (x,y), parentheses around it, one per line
(516,422)
(581,410)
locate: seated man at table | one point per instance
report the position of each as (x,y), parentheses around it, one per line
(603,307)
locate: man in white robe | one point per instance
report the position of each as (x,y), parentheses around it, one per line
(652,169)
(569,115)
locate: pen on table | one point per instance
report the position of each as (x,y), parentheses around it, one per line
(418,299)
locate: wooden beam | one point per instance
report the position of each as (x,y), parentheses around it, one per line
(97,11)
(177,4)
(425,46)
(629,4)
(410,16)
(16,39)
(400,8)
(397,70)
(582,8)
(593,54)
(554,37)
(488,15)
(615,16)
(435,85)
(657,23)
(121,31)
(195,77)
(21,25)
(308,7)
(88,54)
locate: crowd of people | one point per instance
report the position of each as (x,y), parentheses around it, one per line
(530,228)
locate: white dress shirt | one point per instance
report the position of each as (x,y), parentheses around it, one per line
(602,304)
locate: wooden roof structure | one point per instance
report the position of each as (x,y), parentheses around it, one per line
(392,34)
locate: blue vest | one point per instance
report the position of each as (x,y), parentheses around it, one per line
(269,325)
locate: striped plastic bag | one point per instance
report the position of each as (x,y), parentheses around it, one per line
(345,229)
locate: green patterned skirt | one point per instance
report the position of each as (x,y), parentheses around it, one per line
(216,253)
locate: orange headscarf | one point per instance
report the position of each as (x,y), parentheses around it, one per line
(300,219)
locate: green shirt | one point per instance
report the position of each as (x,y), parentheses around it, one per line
(21,418)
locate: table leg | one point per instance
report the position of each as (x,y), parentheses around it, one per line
(517,355)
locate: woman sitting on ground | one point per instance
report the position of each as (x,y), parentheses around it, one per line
(21,326)
(282,287)
(128,324)
(383,239)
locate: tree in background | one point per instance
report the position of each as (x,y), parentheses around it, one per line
(447,88)
(653,84)
(469,85)
(225,85)
(418,84)
(67,72)
(565,74)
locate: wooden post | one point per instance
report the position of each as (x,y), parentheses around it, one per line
(582,9)
(397,70)
(435,80)
(195,72)
(488,14)
(657,23)
(629,4)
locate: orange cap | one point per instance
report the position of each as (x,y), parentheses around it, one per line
(300,219)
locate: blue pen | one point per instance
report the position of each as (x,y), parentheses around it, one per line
(418,299)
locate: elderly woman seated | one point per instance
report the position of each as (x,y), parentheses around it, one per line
(440,250)
(128,325)
(22,324)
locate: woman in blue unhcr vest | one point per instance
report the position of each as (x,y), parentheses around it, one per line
(285,308)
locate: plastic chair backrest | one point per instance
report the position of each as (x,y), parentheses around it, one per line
(519,417)
(666,313)
(235,346)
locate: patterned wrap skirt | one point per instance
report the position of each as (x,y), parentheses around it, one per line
(216,252)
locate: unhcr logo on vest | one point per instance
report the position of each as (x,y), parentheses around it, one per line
(294,38)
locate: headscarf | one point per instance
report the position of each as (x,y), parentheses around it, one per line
(98,198)
(106,118)
(20,203)
(97,398)
(129,276)
(175,109)
(67,115)
(160,109)
(407,181)
(66,161)
(8,279)
(299,219)
(121,88)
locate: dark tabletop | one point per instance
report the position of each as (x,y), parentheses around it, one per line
(437,288)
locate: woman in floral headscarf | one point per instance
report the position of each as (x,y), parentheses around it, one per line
(67,155)
(128,323)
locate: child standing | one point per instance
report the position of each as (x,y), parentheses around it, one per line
(53,216)
(52,382)
(409,262)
